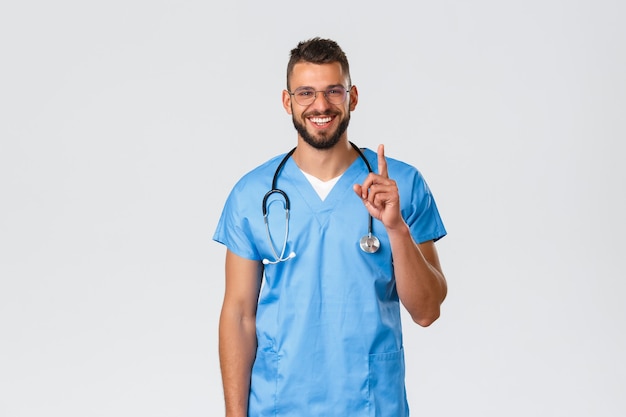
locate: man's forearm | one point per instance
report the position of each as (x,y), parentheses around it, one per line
(420,283)
(237,348)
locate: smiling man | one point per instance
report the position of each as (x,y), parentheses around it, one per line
(339,246)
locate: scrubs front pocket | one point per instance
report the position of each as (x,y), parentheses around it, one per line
(262,401)
(387,394)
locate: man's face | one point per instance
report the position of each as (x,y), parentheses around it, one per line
(320,124)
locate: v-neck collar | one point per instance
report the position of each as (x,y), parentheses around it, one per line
(355,173)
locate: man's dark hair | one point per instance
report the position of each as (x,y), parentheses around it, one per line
(318,51)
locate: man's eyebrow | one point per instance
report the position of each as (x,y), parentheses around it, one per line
(327,87)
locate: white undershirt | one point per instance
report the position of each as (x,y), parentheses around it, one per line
(322,188)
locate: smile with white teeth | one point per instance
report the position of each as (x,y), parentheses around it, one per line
(320,120)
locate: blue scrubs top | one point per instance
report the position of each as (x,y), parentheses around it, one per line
(328,321)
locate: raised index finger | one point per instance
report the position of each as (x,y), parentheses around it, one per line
(382,162)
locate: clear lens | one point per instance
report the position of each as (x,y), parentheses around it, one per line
(336,95)
(304,95)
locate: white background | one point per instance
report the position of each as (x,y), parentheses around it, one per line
(124,124)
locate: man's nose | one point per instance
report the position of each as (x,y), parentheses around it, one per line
(320,100)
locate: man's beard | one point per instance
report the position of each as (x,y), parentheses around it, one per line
(322,142)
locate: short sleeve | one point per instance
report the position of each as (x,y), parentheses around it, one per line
(233,229)
(422,214)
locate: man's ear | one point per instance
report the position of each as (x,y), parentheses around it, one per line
(287,101)
(354,97)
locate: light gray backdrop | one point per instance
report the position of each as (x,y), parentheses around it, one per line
(124,124)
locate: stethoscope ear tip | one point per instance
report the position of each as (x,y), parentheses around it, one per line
(268,262)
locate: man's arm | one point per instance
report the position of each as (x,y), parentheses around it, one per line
(237,331)
(420,282)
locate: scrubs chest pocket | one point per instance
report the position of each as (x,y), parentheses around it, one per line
(387,394)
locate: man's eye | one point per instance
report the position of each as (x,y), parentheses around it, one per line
(305,93)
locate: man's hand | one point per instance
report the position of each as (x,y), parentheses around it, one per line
(380,194)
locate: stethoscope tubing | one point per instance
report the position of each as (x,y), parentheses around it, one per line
(369,243)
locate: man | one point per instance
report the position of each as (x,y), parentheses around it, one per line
(323,336)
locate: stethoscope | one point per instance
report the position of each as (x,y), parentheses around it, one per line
(368,243)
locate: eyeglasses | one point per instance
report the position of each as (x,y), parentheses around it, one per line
(305,96)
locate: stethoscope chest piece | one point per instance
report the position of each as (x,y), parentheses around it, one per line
(369,243)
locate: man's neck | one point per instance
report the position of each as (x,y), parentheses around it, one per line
(324,164)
